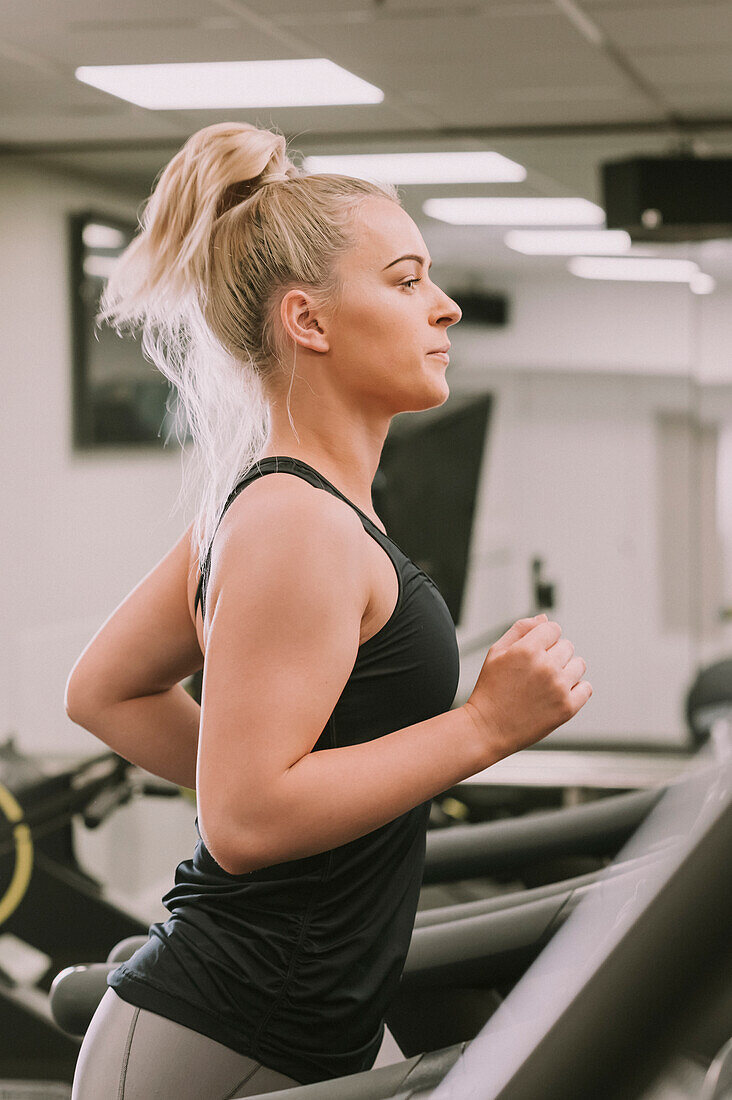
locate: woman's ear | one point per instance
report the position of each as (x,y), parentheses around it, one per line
(301,321)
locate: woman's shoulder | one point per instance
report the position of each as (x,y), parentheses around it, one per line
(281,526)
(281,502)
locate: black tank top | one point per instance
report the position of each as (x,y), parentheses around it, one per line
(295,964)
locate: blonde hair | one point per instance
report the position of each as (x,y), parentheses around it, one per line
(231,224)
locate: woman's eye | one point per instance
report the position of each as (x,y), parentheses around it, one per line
(410,281)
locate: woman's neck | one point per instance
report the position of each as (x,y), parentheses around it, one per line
(354,489)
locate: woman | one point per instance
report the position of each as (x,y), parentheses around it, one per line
(295,316)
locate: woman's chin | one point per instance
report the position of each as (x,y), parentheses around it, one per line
(442,391)
(431,397)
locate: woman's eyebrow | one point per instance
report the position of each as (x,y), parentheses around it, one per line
(408,256)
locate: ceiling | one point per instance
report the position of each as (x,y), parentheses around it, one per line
(558,85)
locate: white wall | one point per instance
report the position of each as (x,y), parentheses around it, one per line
(608,397)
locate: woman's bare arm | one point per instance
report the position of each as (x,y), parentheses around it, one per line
(125,687)
(157,732)
(287,594)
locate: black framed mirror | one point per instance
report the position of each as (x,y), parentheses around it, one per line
(119,398)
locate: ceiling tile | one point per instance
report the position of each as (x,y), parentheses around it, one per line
(542,50)
(632,5)
(690,67)
(132,44)
(69,129)
(60,126)
(699,99)
(652,28)
(483,111)
(366,11)
(18,14)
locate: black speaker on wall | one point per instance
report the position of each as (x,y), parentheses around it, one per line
(671,198)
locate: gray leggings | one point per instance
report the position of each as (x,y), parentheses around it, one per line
(129,1053)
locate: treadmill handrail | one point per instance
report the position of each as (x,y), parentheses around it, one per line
(461,943)
(499,902)
(466,851)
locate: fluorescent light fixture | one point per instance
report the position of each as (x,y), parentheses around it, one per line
(567,242)
(701,283)
(633,269)
(102,236)
(217,85)
(477,167)
(515,211)
(100,267)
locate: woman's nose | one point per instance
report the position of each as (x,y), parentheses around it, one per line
(451,310)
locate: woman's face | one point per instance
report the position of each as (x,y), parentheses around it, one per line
(392,316)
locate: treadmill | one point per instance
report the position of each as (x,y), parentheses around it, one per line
(635,984)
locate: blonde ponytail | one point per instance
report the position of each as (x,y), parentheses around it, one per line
(231,223)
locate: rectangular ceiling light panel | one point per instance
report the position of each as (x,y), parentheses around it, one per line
(217,85)
(641,270)
(567,242)
(415,168)
(515,211)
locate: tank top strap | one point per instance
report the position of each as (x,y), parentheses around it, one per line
(273,464)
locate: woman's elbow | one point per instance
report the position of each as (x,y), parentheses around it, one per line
(232,862)
(77,703)
(236,854)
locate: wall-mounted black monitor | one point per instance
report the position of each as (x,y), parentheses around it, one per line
(119,398)
(426,485)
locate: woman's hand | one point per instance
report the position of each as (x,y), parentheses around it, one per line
(530,684)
